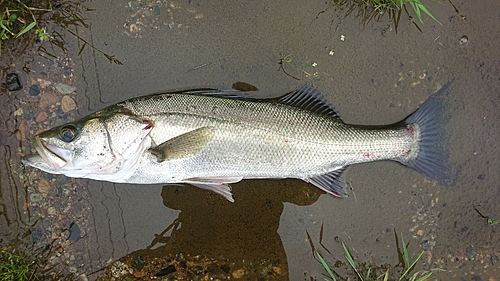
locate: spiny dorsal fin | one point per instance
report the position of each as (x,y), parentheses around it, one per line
(308,98)
(184,145)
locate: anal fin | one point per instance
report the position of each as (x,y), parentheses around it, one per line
(332,183)
(219,185)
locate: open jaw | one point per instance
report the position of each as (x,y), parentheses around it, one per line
(54,157)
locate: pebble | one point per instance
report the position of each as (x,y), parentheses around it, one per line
(156,9)
(13,83)
(43,83)
(18,112)
(35,197)
(278,270)
(36,234)
(42,116)
(464,40)
(29,115)
(62,180)
(67,104)
(74,233)
(166,271)
(48,99)
(21,131)
(119,269)
(51,211)
(138,263)
(139,274)
(44,187)
(34,90)
(238,274)
(64,89)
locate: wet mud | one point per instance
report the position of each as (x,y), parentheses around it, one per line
(106,52)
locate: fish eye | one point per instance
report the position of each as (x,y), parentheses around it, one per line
(68,133)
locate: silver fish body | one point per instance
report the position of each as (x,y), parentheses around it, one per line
(212,138)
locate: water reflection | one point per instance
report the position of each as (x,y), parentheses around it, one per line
(238,238)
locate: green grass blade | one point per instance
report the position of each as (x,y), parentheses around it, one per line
(26,29)
(386,277)
(416,9)
(411,266)
(423,8)
(405,251)
(351,261)
(5,28)
(424,277)
(327,268)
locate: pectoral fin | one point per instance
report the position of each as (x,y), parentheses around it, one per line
(333,182)
(219,185)
(184,145)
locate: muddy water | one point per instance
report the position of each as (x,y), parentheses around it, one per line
(373,76)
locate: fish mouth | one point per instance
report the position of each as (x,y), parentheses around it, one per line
(53,156)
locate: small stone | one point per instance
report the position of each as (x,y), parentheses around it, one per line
(13,83)
(43,83)
(74,233)
(44,187)
(67,104)
(51,211)
(226,268)
(34,90)
(18,112)
(119,269)
(48,99)
(156,9)
(481,177)
(139,274)
(138,263)
(62,180)
(21,131)
(64,89)
(238,274)
(464,40)
(278,270)
(36,234)
(214,269)
(42,116)
(166,271)
(29,116)
(198,270)
(35,197)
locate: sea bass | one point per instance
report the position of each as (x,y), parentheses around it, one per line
(211,138)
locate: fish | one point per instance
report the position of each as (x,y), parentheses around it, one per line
(212,138)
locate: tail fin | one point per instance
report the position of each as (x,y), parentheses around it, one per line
(432,159)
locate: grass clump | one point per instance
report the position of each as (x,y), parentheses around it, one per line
(366,10)
(382,6)
(15,266)
(404,274)
(16,19)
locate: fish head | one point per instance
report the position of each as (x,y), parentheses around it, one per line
(100,146)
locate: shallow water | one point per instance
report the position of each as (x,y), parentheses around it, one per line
(373,76)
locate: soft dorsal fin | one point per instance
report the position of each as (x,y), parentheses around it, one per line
(306,97)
